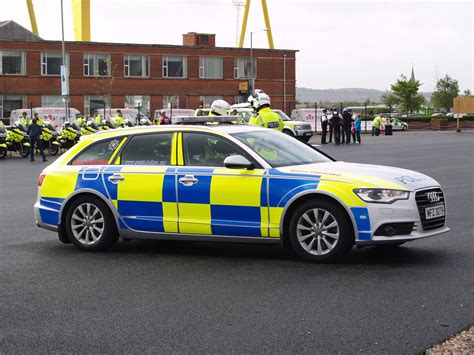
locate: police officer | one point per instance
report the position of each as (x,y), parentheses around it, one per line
(336,125)
(118,119)
(219,108)
(264,116)
(324,126)
(346,126)
(23,120)
(97,118)
(39,120)
(34,131)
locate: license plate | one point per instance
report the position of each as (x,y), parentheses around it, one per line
(308,133)
(433,212)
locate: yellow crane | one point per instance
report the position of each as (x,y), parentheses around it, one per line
(81,11)
(267,24)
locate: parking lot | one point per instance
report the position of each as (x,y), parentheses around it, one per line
(149,296)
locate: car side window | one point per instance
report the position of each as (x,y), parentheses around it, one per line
(148,149)
(207,150)
(98,153)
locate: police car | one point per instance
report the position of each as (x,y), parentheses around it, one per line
(233,183)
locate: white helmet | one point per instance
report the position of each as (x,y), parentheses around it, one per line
(260,99)
(220,107)
(144,121)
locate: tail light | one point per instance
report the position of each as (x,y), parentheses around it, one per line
(41,179)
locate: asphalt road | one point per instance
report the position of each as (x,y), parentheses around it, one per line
(191,297)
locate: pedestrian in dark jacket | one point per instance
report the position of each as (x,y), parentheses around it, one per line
(336,125)
(34,131)
(346,126)
(324,126)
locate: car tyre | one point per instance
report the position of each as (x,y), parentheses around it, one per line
(288,132)
(404,128)
(90,225)
(320,231)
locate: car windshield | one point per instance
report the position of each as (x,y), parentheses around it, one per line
(279,149)
(283,115)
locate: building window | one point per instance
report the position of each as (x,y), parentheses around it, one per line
(174,67)
(204,38)
(136,65)
(51,63)
(134,101)
(97,64)
(52,101)
(9,103)
(210,68)
(206,101)
(12,63)
(93,103)
(242,68)
(171,102)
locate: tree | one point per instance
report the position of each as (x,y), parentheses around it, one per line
(405,94)
(467,92)
(388,99)
(446,90)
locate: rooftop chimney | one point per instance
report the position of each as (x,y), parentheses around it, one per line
(199,39)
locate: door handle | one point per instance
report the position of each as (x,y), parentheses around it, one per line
(116,178)
(188,180)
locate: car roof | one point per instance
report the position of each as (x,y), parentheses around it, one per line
(219,128)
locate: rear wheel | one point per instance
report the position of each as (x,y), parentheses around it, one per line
(320,231)
(404,128)
(53,149)
(90,225)
(24,151)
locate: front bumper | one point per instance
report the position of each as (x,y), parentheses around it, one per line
(403,211)
(304,133)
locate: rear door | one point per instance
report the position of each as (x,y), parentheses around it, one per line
(145,183)
(213,199)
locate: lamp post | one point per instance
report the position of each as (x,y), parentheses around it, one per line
(252,77)
(64,70)
(284,83)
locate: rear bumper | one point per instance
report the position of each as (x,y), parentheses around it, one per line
(45,216)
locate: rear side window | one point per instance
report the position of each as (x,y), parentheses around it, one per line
(149,149)
(98,153)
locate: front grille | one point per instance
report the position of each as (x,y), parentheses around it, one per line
(423,202)
(306,126)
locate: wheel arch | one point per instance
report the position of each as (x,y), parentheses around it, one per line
(80,193)
(303,197)
(289,129)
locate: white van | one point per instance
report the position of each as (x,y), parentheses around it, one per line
(308,115)
(175,112)
(54,114)
(130,113)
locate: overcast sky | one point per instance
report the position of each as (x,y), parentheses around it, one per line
(342,43)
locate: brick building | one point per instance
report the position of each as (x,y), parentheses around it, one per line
(123,75)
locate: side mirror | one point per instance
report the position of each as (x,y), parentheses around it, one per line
(238,162)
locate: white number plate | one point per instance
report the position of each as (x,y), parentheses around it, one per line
(433,212)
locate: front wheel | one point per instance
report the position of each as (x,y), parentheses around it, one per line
(404,128)
(90,224)
(320,231)
(24,150)
(288,132)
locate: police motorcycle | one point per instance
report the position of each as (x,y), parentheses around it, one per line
(49,138)
(144,122)
(3,141)
(105,125)
(17,140)
(127,123)
(90,128)
(70,134)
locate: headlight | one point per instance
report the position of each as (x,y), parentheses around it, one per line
(298,126)
(381,195)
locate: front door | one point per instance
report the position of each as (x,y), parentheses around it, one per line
(146,191)
(213,199)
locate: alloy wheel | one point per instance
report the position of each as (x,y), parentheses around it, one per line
(317,231)
(87,223)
